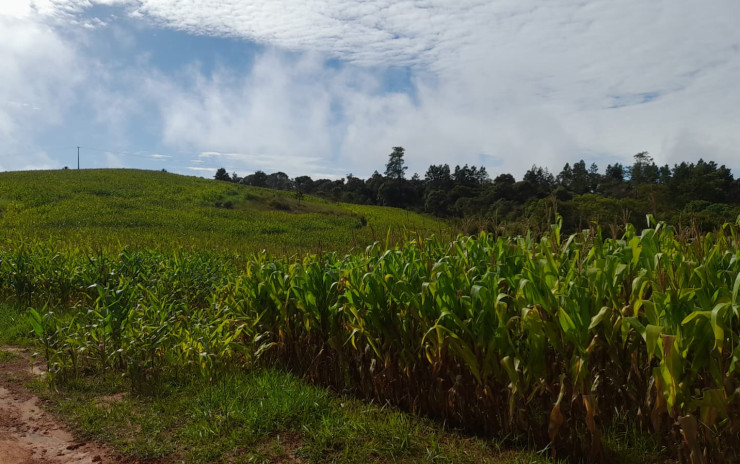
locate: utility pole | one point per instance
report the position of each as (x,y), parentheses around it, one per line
(78,158)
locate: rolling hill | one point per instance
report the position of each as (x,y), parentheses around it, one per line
(136,208)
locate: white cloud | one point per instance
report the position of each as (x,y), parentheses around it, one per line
(524,81)
(202,169)
(35,72)
(15,8)
(278,114)
(37,89)
(210,154)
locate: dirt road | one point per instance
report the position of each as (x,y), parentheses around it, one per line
(28,435)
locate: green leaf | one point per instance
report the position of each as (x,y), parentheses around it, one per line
(36,323)
(695,315)
(596,320)
(717,321)
(652,333)
(736,289)
(634,322)
(566,322)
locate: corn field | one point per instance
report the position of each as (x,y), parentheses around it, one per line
(549,339)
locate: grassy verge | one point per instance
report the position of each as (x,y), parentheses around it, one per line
(261,416)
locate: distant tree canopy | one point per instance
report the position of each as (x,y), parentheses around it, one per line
(221,174)
(700,193)
(395,168)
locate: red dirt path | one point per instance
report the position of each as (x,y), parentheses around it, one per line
(29,435)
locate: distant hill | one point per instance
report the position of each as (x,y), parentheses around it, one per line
(136,208)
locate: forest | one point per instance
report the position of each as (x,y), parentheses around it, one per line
(701,194)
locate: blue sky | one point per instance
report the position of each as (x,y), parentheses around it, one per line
(326,88)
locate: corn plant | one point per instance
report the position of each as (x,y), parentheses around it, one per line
(545,338)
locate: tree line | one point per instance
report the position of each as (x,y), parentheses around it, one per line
(701,194)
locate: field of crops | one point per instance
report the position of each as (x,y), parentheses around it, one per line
(112,208)
(548,339)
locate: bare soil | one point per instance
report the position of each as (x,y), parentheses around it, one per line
(28,434)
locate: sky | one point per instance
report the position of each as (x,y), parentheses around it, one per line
(327,87)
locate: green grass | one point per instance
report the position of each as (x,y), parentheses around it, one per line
(115,207)
(261,416)
(630,443)
(14,326)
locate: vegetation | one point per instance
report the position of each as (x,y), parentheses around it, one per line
(552,341)
(15,327)
(262,416)
(6,356)
(702,194)
(584,345)
(116,208)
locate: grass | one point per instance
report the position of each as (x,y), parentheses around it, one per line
(261,416)
(116,207)
(14,326)
(7,356)
(630,443)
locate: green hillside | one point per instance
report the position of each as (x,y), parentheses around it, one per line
(117,207)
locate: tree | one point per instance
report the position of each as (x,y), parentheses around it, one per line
(279,181)
(594,178)
(664,174)
(258,179)
(502,188)
(541,181)
(504,179)
(356,191)
(221,174)
(438,177)
(303,184)
(565,178)
(644,170)
(612,182)
(701,181)
(581,182)
(470,176)
(395,168)
(437,203)
(373,184)
(615,172)
(577,179)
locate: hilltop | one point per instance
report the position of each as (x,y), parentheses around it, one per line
(137,208)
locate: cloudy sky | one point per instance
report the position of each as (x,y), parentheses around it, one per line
(327,87)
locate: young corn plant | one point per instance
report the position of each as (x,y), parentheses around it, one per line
(544,339)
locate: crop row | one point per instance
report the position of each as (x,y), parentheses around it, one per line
(550,339)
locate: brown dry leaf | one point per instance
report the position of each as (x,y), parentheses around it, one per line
(690,432)
(596,450)
(660,408)
(556,421)
(556,418)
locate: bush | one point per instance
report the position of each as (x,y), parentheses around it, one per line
(280,204)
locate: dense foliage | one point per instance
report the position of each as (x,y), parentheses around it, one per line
(550,339)
(701,194)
